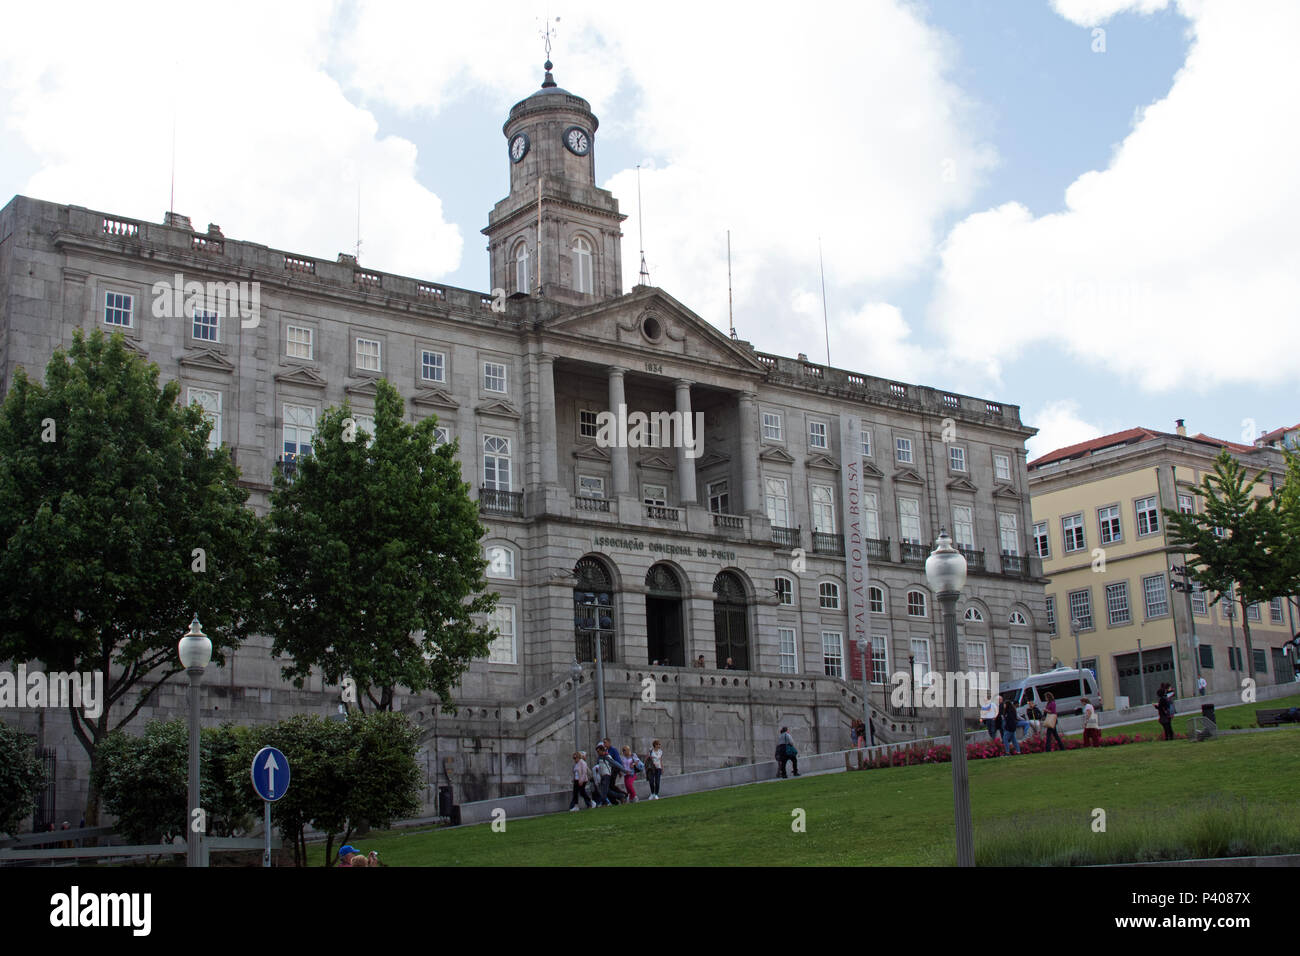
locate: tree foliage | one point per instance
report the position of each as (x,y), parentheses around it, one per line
(22,777)
(107,488)
(377,566)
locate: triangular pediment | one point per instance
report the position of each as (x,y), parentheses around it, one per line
(131,345)
(909,476)
(209,359)
(434,398)
(822,461)
(498,409)
(366,389)
(1005,491)
(712,459)
(961,484)
(300,375)
(871,471)
(653,323)
(591,453)
(657,462)
(777,454)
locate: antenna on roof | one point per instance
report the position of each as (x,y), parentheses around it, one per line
(171,201)
(826,322)
(731,318)
(547,32)
(640,228)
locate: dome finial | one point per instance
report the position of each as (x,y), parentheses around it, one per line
(548,82)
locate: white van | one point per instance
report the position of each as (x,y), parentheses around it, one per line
(1062,684)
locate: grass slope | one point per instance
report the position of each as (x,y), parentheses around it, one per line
(899,816)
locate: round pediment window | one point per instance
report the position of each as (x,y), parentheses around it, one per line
(652,328)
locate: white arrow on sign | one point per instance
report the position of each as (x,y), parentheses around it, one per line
(270,767)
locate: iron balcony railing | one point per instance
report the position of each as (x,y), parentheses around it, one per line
(912,553)
(878,549)
(1013,564)
(826,543)
(974,559)
(507,503)
(787,537)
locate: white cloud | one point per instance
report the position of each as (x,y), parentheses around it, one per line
(1059,426)
(1089,13)
(266,143)
(1179,264)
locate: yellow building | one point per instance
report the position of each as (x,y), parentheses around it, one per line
(1098,526)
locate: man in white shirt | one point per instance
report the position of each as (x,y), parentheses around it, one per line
(988,714)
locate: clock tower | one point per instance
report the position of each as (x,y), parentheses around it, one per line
(551,150)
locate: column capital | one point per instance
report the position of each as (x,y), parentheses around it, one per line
(682,383)
(615,371)
(748,396)
(546,358)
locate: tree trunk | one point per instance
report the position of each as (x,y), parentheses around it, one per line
(1245,634)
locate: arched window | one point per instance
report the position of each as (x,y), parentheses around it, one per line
(877,600)
(973,614)
(501,561)
(593,610)
(1017,618)
(582,273)
(784,590)
(829,594)
(916,604)
(521,268)
(731,621)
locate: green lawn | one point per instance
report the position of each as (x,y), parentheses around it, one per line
(1240,715)
(899,816)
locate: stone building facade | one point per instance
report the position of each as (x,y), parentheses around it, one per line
(738,542)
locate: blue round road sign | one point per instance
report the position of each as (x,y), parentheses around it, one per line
(270,774)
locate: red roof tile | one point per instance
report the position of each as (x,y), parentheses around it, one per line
(1094,444)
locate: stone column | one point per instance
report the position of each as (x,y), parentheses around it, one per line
(546,419)
(748,455)
(618,453)
(685,465)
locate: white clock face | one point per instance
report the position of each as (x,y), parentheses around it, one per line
(518,147)
(577,140)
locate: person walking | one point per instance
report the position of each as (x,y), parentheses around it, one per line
(654,770)
(581,776)
(1201,685)
(617,770)
(1010,723)
(1091,725)
(989,714)
(633,764)
(1165,711)
(603,773)
(1049,721)
(871,725)
(787,752)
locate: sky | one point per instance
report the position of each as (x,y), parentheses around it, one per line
(1086,208)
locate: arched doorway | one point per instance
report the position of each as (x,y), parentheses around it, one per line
(663,617)
(593,610)
(731,620)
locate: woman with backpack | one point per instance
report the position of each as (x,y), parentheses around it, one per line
(634,766)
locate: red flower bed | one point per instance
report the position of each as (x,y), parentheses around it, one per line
(987,749)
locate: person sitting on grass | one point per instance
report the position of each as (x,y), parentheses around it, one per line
(351,856)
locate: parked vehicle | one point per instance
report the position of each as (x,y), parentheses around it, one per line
(1062,683)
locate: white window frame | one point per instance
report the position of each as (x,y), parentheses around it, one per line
(308,344)
(833,653)
(591,486)
(503,649)
(1275,611)
(1118,610)
(205,320)
(583,273)
(497,449)
(1150,515)
(782,593)
(909,521)
(974,615)
(787,654)
(1186,504)
(1001,467)
(872,591)
(823,509)
(295,422)
(1019,670)
(1042,543)
(523,275)
(963,526)
(489,379)
(1109,528)
(879,659)
(866,443)
(441,435)
(1085,618)
(363,366)
(1017,619)
(1199,606)
(770,484)
(828,596)
(772,426)
(588,423)
(439,367)
(1073,523)
(925,604)
(718,495)
(211,411)
(363,422)
(818,435)
(118,304)
(977,656)
(903,450)
(870,513)
(1051,613)
(1009,533)
(1160,592)
(919,648)
(956,458)
(501,564)
(649,496)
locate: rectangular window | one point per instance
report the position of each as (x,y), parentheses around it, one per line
(588,423)
(494,377)
(1072,533)
(877,600)
(866,443)
(1117,610)
(441,436)
(823,506)
(916,604)
(1019,661)
(817,435)
(1108,523)
(920,660)
(1275,611)
(591,486)
(364,427)
(1157,595)
(1198,600)
(496,463)
(1148,516)
(1081,609)
(1252,612)
(502,621)
(719,497)
(778,502)
(1261,661)
(909,520)
(957,458)
(1186,504)
(828,595)
(368,357)
(210,402)
(833,653)
(299,429)
(1008,533)
(1051,614)
(298,342)
(772,426)
(1042,547)
(880,659)
(870,515)
(1001,467)
(118,309)
(655,495)
(788,652)
(1207,657)
(207,326)
(903,450)
(433,366)
(963,526)
(977,657)
(785,591)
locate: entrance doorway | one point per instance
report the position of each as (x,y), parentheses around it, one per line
(663,617)
(1139,681)
(731,621)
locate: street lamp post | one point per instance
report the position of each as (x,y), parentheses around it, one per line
(575,671)
(600,683)
(1075,624)
(865,646)
(945,569)
(195,650)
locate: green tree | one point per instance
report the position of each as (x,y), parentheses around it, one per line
(1237,541)
(117,525)
(22,777)
(378,572)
